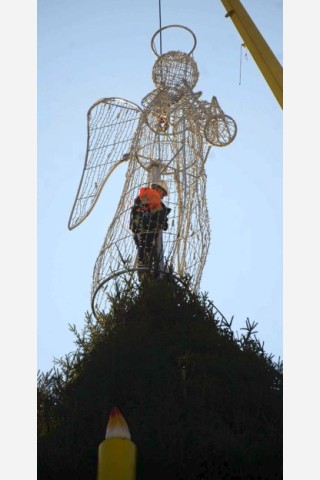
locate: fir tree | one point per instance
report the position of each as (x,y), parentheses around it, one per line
(201,402)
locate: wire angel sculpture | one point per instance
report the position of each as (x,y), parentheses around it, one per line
(168,138)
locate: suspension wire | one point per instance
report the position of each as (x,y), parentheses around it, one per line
(160,27)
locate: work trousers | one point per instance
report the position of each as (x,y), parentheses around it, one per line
(146,244)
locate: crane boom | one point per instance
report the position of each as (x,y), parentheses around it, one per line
(258,47)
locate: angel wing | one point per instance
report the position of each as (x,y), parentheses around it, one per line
(111,125)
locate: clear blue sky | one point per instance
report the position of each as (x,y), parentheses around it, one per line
(89,50)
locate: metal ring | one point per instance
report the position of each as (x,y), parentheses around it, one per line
(172,26)
(132,270)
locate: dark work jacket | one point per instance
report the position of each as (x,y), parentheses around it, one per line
(142,220)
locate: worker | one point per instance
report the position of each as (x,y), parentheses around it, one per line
(148,218)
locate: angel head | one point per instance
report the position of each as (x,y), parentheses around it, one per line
(175,69)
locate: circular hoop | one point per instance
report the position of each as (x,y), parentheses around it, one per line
(132,270)
(220,130)
(153,48)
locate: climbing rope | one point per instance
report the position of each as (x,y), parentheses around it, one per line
(243,45)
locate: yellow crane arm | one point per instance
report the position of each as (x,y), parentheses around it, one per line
(257,46)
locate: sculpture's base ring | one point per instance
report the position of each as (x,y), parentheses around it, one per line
(96,312)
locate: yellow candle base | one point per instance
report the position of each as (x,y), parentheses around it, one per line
(117,459)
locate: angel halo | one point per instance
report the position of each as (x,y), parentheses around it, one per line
(168,138)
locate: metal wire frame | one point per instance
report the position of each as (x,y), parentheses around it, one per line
(169,138)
